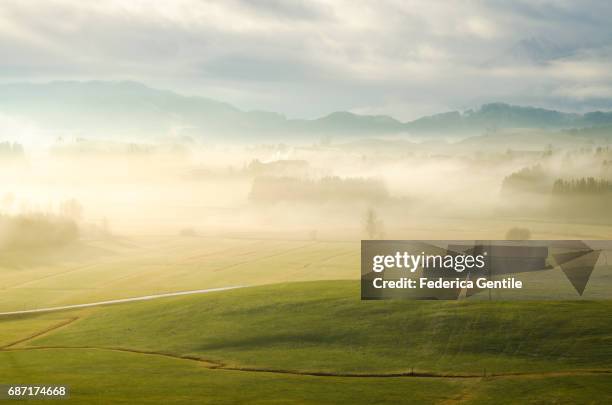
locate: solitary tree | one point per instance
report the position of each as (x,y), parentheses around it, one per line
(373,225)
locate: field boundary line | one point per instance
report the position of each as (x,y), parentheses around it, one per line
(41,333)
(219,365)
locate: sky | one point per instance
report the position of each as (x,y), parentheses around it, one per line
(404,58)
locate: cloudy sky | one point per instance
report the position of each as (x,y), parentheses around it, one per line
(405,58)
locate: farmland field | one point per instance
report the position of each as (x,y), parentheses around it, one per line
(296,330)
(314,342)
(123,267)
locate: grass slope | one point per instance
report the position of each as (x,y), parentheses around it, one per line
(323,326)
(106,377)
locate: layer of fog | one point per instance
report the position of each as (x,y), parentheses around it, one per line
(190,187)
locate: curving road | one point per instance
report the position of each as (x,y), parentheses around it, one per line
(119,301)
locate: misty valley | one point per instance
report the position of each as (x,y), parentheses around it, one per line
(306,202)
(309,190)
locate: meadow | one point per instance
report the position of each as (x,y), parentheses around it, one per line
(314,342)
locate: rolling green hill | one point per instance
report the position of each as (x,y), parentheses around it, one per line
(324,327)
(315,343)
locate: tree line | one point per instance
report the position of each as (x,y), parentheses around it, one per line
(584,185)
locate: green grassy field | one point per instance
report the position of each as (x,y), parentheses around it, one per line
(262,344)
(103,377)
(113,377)
(323,326)
(217,347)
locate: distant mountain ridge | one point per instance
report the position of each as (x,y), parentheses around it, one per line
(503,116)
(99,108)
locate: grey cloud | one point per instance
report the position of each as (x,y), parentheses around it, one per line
(585,12)
(298,10)
(257,68)
(309,58)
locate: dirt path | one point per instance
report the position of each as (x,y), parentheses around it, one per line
(119,301)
